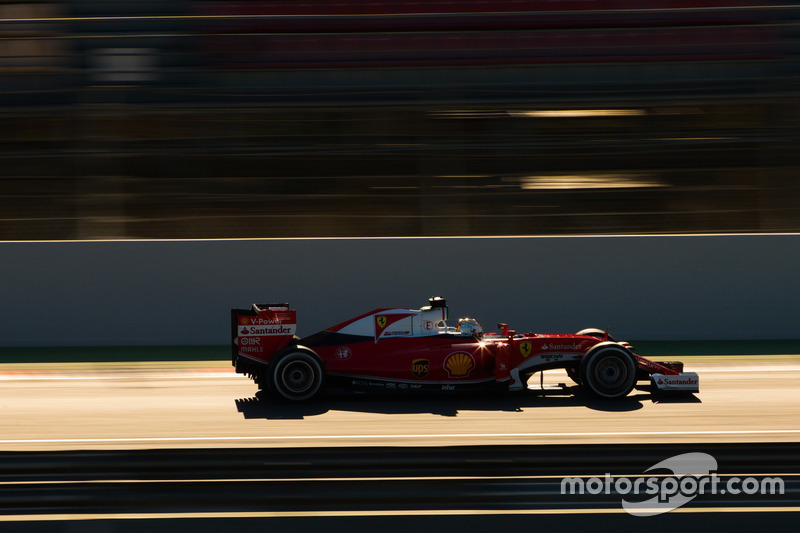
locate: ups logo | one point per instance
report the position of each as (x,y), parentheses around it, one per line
(420,367)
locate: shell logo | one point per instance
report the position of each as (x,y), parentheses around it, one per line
(459,364)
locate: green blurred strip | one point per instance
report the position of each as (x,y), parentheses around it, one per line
(659,349)
(95,354)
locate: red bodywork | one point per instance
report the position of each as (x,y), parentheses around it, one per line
(405,349)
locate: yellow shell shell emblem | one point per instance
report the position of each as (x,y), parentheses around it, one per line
(459,364)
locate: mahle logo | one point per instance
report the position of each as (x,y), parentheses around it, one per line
(693,474)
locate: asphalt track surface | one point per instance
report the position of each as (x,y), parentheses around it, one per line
(205,404)
(125,406)
(745,520)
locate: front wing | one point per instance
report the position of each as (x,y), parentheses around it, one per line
(683,382)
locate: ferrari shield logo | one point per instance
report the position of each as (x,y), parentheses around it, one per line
(525,348)
(381,321)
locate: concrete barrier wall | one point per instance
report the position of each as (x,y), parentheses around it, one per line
(180,292)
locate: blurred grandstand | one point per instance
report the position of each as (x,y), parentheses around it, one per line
(193,119)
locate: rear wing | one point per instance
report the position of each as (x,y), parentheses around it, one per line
(262,331)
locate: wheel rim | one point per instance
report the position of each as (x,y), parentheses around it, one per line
(611,373)
(297,377)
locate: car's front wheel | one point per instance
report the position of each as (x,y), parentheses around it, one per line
(297,375)
(596,333)
(608,371)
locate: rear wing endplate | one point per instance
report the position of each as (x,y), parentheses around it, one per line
(262,331)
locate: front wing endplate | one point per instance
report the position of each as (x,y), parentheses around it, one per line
(683,382)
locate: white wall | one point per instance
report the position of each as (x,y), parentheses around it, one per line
(180,292)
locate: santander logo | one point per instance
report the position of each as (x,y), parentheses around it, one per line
(676,381)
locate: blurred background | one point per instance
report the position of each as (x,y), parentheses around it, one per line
(227,119)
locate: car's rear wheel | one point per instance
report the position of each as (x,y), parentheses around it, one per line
(608,371)
(297,376)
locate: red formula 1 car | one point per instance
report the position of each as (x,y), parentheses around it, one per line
(409,350)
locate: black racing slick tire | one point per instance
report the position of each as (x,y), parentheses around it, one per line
(597,333)
(608,371)
(297,376)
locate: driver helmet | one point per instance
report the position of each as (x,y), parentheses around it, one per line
(470,327)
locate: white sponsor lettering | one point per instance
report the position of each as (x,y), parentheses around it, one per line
(692,474)
(251,349)
(258,321)
(396,333)
(284,329)
(563,347)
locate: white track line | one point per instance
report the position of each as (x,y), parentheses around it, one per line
(118,376)
(357,513)
(419,436)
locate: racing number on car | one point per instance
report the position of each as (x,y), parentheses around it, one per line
(525,348)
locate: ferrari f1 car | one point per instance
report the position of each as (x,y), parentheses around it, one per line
(414,350)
